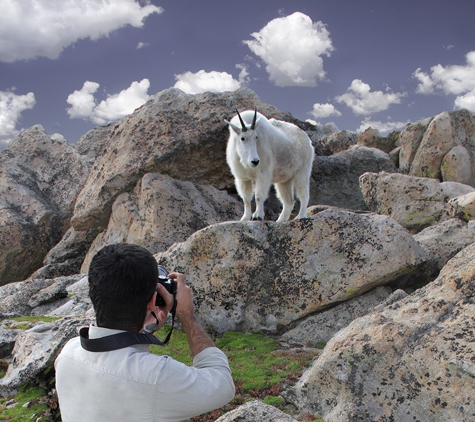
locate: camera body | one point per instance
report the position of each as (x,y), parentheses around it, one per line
(166,282)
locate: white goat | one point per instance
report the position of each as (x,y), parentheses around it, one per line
(261,152)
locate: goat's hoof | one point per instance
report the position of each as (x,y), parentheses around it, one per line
(257,219)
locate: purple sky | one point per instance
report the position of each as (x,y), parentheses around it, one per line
(71,66)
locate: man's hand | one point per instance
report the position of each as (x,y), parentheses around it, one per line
(160,311)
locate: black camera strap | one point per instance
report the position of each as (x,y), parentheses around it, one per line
(122,340)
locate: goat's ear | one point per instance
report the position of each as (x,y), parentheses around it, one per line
(257,122)
(235,128)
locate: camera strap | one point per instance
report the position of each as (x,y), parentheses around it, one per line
(122,340)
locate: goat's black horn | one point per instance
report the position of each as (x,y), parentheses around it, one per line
(244,128)
(253,126)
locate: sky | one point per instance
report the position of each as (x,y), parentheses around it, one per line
(73,65)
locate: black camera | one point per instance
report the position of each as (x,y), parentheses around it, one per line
(166,282)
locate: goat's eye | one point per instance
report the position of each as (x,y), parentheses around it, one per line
(243,138)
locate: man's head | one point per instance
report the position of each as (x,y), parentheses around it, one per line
(122,279)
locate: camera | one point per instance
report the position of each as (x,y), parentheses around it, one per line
(166,282)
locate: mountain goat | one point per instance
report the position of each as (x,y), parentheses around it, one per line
(261,152)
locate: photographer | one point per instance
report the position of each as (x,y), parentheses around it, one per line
(130,383)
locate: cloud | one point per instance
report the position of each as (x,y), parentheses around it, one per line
(451,80)
(142,45)
(33,28)
(11,107)
(292,47)
(84,106)
(196,83)
(243,74)
(362,101)
(383,127)
(321,111)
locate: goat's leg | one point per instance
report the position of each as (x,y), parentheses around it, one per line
(261,192)
(302,188)
(285,192)
(244,188)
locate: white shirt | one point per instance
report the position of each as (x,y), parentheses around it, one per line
(131,384)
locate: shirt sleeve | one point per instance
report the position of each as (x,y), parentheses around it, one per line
(185,391)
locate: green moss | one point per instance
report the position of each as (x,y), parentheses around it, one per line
(256,361)
(3,367)
(320,345)
(31,320)
(27,394)
(275,401)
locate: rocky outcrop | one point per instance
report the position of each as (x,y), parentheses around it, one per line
(161,211)
(347,275)
(414,202)
(441,148)
(411,361)
(261,276)
(40,177)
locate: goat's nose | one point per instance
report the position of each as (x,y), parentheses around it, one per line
(254,162)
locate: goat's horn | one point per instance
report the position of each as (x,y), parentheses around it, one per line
(253,126)
(244,128)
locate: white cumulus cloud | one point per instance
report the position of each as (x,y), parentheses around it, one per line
(196,83)
(292,47)
(451,80)
(321,111)
(84,105)
(362,100)
(383,127)
(11,107)
(33,28)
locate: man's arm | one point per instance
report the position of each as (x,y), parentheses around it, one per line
(198,339)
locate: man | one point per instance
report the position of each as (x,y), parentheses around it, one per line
(130,383)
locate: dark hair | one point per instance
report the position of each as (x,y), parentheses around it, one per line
(122,279)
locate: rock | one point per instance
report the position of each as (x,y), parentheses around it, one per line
(454,189)
(161,211)
(446,131)
(443,242)
(463,207)
(409,140)
(35,351)
(19,298)
(437,141)
(7,340)
(67,257)
(40,177)
(256,411)
(262,276)
(169,133)
(323,326)
(337,142)
(414,202)
(457,166)
(414,360)
(335,179)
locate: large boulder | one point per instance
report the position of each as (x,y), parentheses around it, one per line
(414,360)
(35,352)
(263,276)
(414,202)
(40,178)
(161,211)
(335,178)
